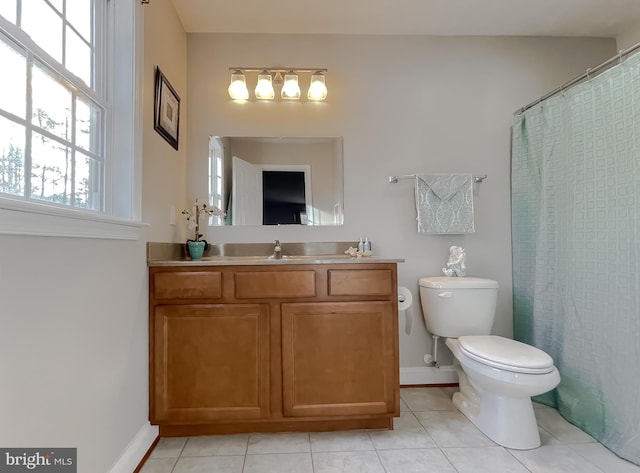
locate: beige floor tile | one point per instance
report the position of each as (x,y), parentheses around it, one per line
(220,464)
(403,406)
(159,465)
(395,439)
(279,443)
(484,460)
(347,462)
(554,459)
(427,399)
(407,421)
(452,429)
(604,458)
(278,463)
(546,438)
(169,447)
(340,441)
(210,445)
(415,461)
(551,421)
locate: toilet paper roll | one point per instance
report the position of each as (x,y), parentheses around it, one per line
(405,300)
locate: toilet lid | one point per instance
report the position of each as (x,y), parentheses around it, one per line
(506,354)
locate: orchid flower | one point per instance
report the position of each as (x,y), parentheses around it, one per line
(193,216)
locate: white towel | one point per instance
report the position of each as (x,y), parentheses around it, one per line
(444,203)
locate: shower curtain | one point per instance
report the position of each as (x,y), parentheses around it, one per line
(576,250)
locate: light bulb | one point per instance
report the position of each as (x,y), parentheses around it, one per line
(317,88)
(238,87)
(264,87)
(290,88)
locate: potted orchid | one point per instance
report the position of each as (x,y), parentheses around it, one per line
(197,246)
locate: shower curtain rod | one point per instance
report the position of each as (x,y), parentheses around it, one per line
(586,75)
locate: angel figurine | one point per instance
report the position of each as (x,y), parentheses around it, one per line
(456,263)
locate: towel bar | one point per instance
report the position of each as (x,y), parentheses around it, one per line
(394,179)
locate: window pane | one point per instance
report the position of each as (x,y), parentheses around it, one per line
(88,120)
(88,188)
(51,104)
(14,85)
(58,4)
(78,57)
(79,15)
(44,26)
(50,170)
(8,10)
(11,157)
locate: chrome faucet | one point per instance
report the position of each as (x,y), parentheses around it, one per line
(277,251)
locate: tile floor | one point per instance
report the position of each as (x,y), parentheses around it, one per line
(430,436)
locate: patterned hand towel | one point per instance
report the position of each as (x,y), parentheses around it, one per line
(444,203)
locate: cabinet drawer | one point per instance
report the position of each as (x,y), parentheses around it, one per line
(360,282)
(262,284)
(187,285)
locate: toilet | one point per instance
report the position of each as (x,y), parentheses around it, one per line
(497,376)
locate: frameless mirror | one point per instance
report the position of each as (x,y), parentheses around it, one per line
(276,181)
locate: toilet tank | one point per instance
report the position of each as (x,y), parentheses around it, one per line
(453,307)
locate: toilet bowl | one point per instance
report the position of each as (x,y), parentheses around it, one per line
(497,376)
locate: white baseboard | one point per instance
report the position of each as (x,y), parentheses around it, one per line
(427,375)
(136,449)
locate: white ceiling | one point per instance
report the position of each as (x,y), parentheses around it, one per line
(595,18)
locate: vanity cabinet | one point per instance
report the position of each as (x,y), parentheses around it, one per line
(273,347)
(211,361)
(337,358)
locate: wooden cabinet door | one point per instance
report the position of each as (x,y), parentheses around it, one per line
(339,358)
(211,361)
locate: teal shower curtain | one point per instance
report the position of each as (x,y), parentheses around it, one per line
(576,249)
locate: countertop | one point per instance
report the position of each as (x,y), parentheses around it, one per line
(235,254)
(262,260)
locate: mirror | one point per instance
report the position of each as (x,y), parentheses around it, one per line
(276,181)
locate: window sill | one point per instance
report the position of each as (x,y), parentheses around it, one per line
(28,218)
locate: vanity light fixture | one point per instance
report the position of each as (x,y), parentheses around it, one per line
(269,78)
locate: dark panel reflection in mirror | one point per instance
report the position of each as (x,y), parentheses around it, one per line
(276,181)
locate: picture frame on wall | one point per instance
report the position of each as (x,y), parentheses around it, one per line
(166,112)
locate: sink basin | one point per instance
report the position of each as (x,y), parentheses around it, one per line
(315,257)
(271,258)
(236,258)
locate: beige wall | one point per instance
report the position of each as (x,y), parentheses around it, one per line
(73,311)
(73,345)
(164,168)
(403,105)
(629,38)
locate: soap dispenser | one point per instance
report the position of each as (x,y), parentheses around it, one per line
(367,244)
(361,245)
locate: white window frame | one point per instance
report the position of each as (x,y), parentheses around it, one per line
(123,43)
(216,173)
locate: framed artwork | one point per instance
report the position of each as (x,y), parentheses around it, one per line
(166,111)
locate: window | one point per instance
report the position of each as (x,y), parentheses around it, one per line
(51,113)
(59,148)
(216,170)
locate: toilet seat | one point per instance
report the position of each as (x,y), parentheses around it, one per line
(506,354)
